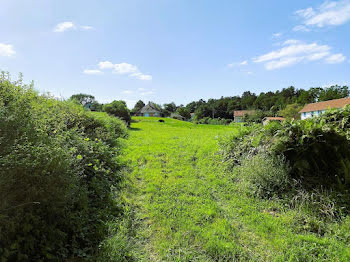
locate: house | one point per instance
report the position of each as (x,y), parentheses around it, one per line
(150,110)
(268,119)
(239,114)
(316,109)
(177,116)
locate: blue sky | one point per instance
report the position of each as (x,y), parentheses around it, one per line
(175,50)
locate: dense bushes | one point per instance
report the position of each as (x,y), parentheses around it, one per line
(59,171)
(264,175)
(118,109)
(315,154)
(317,150)
(213,121)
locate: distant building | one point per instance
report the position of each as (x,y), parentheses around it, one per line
(149,110)
(268,119)
(177,116)
(192,116)
(316,109)
(239,114)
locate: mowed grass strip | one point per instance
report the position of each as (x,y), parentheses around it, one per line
(181,204)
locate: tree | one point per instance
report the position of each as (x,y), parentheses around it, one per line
(203,111)
(118,109)
(83,99)
(291,111)
(183,111)
(138,106)
(334,92)
(247,100)
(171,107)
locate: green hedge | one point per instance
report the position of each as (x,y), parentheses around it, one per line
(317,150)
(59,171)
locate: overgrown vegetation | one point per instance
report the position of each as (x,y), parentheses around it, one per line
(286,103)
(118,109)
(302,163)
(192,192)
(60,169)
(186,202)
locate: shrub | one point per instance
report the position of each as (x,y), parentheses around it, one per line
(304,163)
(317,150)
(213,121)
(59,171)
(118,109)
(264,175)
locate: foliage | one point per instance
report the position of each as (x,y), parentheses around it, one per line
(213,121)
(87,101)
(59,171)
(138,106)
(118,109)
(291,111)
(256,117)
(183,202)
(318,150)
(269,103)
(184,112)
(264,175)
(170,108)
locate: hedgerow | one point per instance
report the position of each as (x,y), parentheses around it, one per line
(59,171)
(315,154)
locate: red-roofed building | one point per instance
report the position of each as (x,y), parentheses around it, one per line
(239,114)
(316,109)
(267,119)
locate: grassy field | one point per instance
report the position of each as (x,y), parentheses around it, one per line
(181,204)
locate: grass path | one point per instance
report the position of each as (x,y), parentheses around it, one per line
(182,205)
(173,166)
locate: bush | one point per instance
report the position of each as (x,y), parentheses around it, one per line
(315,171)
(264,176)
(59,171)
(118,109)
(213,121)
(318,150)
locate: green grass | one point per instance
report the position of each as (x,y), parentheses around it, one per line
(181,204)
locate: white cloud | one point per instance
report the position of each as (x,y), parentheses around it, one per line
(92,72)
(6,50)
(86,27)
(127,92)
(147,93)
(317,56)
(105,65)
(301,28)
(65,26)
(335,59)
(124,69)
(243,63)
(277,35)
(141,89)
(142,76)
(276,64)
(295,51)
(327,14)
(291,42)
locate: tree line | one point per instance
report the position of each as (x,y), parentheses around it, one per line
(286,102)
